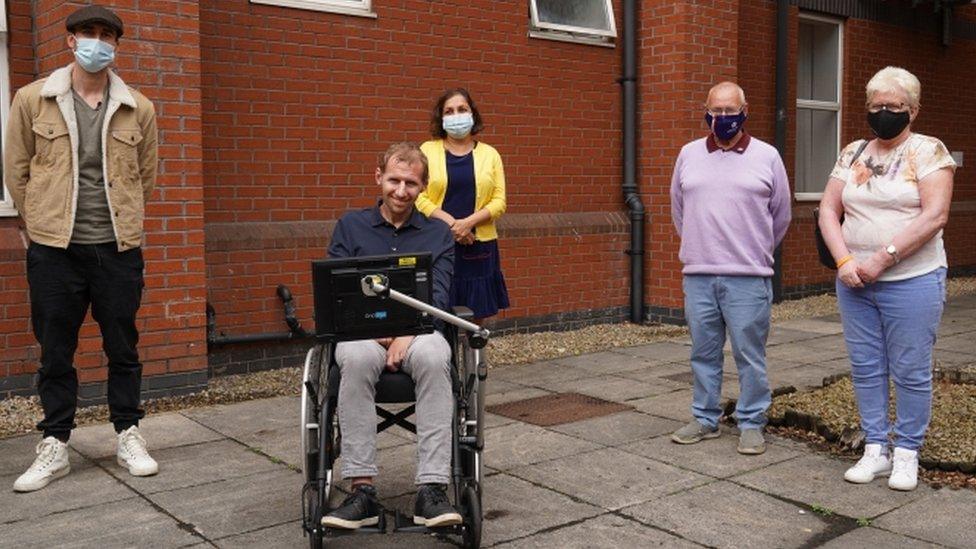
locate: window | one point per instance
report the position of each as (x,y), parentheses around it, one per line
(361,8)
(6,203)
(818,97)
(588,21)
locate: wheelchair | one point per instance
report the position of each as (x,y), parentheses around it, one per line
(321,436)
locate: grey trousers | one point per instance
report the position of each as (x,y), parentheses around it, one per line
(428,362)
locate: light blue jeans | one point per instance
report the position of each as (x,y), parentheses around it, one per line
(741,305)
(890,329)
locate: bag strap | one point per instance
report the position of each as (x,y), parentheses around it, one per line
(857,153)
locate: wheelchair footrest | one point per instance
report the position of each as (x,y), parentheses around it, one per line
(380,528)
(404,524)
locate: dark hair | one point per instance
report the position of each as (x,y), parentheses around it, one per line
(437,115)
(406,152)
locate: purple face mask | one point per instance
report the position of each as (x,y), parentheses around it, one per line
(725,125)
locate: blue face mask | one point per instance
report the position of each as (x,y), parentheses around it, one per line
(458,125)
(725,126)
(94,55)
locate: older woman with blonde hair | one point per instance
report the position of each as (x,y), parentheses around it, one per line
(882,215)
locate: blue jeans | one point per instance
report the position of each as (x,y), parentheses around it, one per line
(742,305)
(890,329)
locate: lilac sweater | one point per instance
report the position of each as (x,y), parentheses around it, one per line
(731,208)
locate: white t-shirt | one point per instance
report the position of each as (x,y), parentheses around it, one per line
(881,199)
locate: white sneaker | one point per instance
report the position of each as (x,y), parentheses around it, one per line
(51,463)
(904,470)
(872,464)
(133,455)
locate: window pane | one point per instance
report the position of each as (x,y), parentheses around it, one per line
(816,148)
(817,60)
(590,14)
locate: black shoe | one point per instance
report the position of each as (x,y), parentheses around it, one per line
(433,508)
(358,509)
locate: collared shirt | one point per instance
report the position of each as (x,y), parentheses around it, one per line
(366,232)
(731,208)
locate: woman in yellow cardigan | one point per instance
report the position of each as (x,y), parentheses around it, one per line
(467,191)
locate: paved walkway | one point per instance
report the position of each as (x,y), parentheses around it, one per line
(229,472)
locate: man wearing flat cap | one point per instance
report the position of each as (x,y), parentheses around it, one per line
(80,163)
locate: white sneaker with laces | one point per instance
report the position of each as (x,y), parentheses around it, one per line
(51,463)
(904,470)
(133,455)
(872,464)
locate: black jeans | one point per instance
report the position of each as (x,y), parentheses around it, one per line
(63,282)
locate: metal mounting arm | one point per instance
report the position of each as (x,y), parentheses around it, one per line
(378,285)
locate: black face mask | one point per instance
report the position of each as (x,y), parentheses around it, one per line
(886,124)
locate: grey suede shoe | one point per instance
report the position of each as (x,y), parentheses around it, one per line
(694,432)
(751,442)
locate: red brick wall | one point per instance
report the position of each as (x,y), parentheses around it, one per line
(297,105)
(868,47)
(158,55)
(686,48)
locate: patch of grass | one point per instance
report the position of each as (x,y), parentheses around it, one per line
(821,510)
(863,521)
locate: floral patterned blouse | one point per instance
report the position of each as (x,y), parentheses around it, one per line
(881,198)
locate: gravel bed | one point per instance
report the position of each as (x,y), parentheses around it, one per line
(18,414)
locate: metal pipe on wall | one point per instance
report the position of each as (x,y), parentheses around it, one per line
(628,83)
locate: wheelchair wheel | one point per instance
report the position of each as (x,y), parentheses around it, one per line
(313,374)
(471,507)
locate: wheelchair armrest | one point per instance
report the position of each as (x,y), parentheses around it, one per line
(461,311)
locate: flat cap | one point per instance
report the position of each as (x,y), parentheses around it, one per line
(94,14)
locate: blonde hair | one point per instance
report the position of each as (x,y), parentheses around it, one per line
(406,152)
(893,79)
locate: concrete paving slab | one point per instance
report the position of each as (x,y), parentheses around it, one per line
(943,516)
(225,508)
(716,457)
(514,508)
(542,374)
(512,393)
(874,537)
(802,354)
(945,357)
(86,485)
(193,465)
(801,377)
(823,484)
(606,362)
(812,325)
(620,428)
(603,531)
(723,514)
(17,454)
(614,478)
(129,523)
(160,431)
(614,388)
(660,352)
(675,405)
(780,334)
(959,343)
(243,418)
(522,444)
(289,536)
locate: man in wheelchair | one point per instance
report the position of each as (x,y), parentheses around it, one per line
(394,225)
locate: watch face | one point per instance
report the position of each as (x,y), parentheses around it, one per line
(891,249)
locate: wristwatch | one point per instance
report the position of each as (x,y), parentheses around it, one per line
(893,252)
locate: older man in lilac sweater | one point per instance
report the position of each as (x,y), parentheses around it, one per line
(730,201)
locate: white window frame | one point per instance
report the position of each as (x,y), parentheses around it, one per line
(7,204)
(835,106)
(570,33)
(359,8)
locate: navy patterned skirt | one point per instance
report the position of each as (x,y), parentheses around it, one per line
(478,281)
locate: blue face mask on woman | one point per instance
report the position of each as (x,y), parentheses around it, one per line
(458,125)
(94,55)
(725,125)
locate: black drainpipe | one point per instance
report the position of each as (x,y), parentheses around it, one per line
(628,82)
(295,330)
(782,47)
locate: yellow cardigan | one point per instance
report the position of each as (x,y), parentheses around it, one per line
(489,182)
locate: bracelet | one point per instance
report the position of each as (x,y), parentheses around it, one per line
(844,260)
